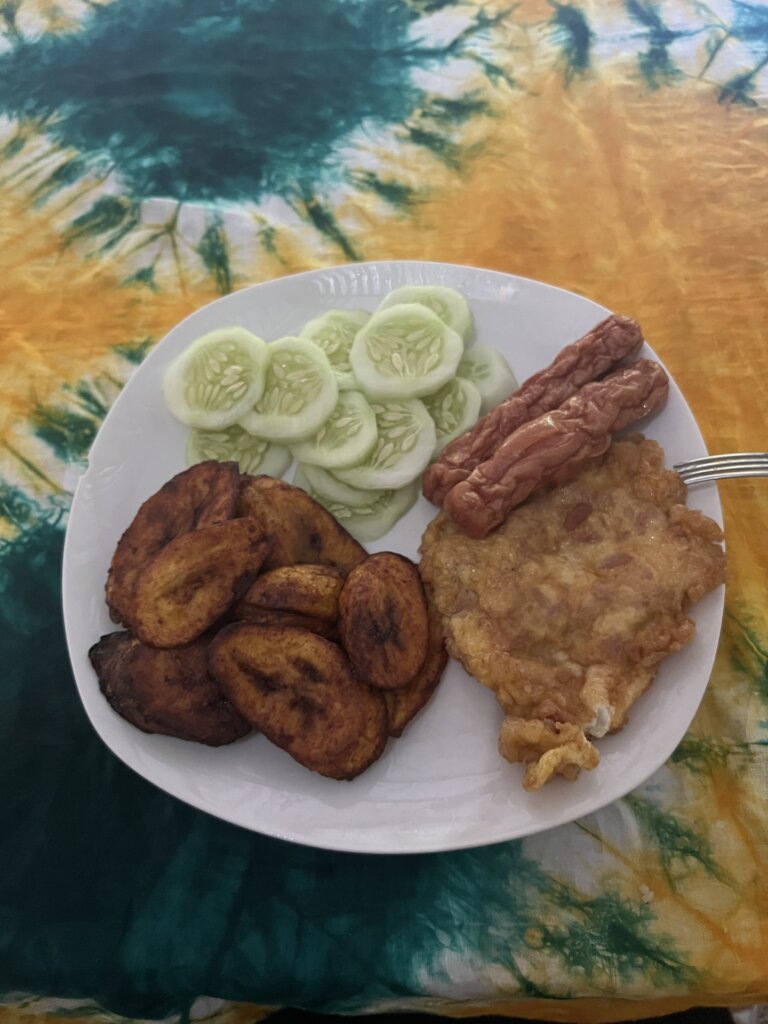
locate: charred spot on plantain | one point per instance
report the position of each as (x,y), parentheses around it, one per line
(383,620)
(384,627)
(264,681)
(267,682)
(307,707)
(168,531)
(308,670)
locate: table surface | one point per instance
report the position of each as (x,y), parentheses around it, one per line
(155,155)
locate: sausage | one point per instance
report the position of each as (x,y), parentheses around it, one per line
(600,350)
(554,446)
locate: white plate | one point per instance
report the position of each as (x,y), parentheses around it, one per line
(442,785)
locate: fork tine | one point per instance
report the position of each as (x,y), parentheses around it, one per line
(708,467)
(729,455)
(721,472)
(708,460)
(737,460)
(708,476)
(723,467)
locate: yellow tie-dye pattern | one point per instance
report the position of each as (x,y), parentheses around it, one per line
(60,315)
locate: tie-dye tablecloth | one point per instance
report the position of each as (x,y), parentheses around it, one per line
(155,154)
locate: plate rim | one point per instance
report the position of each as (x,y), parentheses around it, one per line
(343,844)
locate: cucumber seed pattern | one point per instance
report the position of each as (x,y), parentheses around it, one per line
(407,350)
(293,382)
(454,408)
(334,332)
(399,430)
(252,454)
(214,381)
(340,427)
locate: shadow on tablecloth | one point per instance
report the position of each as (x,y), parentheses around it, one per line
(697,1015)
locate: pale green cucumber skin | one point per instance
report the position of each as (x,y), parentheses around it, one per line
(373,474)
(368,528)
(345,379)
(377,386)
(365,527)
(459,315)
(215,419)
(472,403)
(329,485)
(290,427)
(353,451)
(274,461)
(499,382)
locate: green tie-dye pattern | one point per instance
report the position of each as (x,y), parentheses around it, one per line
(749,655)
(110,216)
(69,430)
(272,67)
(709,755)
(135,351)
(609,940)
(395,193)
(214,253)
(676,841)
(655,63)
(325,222)
(740,88)
(573,35)
(62,176)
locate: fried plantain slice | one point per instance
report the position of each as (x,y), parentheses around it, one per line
(165,691)
(300,691)
(302,531)
(383,620)
(406,702)
(194,580)
(276,617)
(200,496)
(309,590)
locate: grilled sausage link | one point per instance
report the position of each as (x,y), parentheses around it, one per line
(600,350)
(554,446)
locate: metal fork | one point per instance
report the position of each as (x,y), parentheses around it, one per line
(723,467)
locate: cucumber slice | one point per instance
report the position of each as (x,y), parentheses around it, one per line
(345,438)
(252,454)
(490,372)
(369,519)
(334,332)
(405,444)
(450,305)
(331,487)
(404,352)
(454,408)
(299,393)
(217,379)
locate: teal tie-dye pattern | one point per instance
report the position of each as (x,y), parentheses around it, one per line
(141,903)
(254,98)
(259,97)
(200,102)
(113,893)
